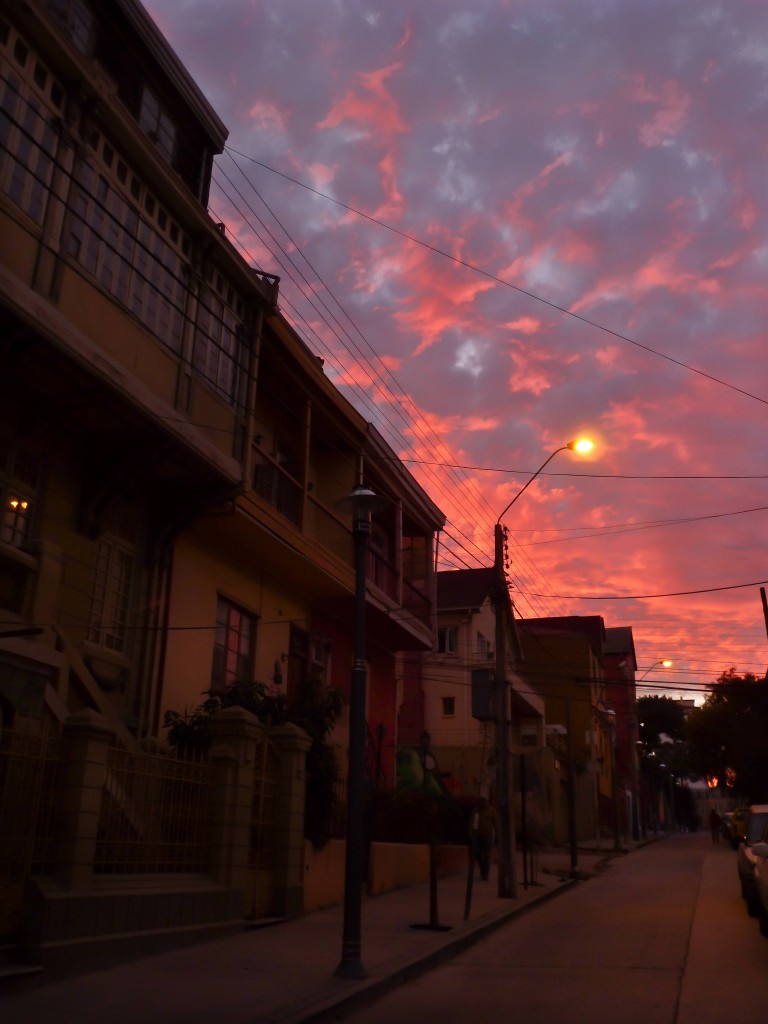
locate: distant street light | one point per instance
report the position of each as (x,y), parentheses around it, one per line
(507,882)
(362,502)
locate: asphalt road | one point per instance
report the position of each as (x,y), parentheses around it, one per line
(660,937)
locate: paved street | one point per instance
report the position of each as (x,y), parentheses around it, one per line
(661,936)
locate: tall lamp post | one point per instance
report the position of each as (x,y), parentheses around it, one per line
(362,502)
(507,881)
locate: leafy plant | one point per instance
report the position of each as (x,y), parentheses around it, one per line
(319,707)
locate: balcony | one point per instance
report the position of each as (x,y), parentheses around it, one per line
(275,485)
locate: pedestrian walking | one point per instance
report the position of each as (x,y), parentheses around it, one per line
(485,827)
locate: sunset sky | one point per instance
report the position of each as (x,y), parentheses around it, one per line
(508,224)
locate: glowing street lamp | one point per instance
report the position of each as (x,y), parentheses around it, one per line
(507,882)
(664,662)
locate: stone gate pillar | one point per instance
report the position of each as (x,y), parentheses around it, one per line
(291,744)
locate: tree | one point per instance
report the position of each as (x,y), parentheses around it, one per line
(657,715)
(727,735)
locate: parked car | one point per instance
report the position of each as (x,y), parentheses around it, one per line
(760,854)
(725,825)
(755,832)
(739,826)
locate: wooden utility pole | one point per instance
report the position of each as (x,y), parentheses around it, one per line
(507,881)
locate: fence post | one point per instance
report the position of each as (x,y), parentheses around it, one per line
(235,732)
(292,744)
(88,736)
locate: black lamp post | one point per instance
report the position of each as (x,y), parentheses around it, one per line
(361,503)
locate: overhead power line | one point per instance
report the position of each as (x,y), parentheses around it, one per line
(650,597)
(502,281)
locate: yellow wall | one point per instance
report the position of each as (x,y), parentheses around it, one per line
(200,573)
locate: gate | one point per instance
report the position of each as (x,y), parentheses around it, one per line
(263,846)
(31,784)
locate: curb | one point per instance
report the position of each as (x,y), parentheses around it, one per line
(465,936)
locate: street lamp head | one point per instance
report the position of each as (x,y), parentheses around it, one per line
(583,445)
(361,503)
(664,662)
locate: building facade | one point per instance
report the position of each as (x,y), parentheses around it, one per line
(172,454)
(457,697)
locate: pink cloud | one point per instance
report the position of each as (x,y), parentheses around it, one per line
(266,117)
(368,102)
(525,325)
(673,103)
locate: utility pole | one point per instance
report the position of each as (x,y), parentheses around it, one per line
(614,782)
(507,881)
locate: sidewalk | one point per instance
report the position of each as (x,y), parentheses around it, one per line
(285,972)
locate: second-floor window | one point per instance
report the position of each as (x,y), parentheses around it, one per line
(447,640)
(233,646)
(449,706)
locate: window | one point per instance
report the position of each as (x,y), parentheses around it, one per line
(449,706)
(128,257)
(156,124)
(76,19)
(484,648)
(111,594)
(27,147)
(308,655)
(447,640)
(219,354)
(19,481)
(233,645)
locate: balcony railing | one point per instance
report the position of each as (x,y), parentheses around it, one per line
(328,530)
(277,487)
(417,603)
(384,575)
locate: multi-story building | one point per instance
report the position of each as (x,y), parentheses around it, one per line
(463,744)
(621,698)
(563,656)
(171,451)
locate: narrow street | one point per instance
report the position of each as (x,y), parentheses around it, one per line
(660,937)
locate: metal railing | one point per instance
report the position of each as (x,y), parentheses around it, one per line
(381,573)
(155,815)
(276,486)
(329,530)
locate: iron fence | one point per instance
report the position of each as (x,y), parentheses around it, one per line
(155,815)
